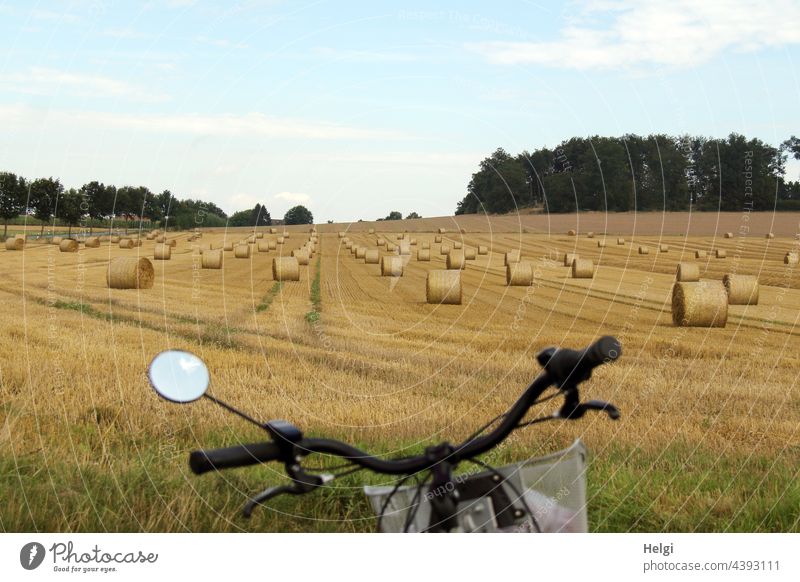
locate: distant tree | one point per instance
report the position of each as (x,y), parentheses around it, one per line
(394,215)
(71,208)
(413,215)
(330,222)
(261,216)
(44,193)
(12,197)
(298,215)
(99,199)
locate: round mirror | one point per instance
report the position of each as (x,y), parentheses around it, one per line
(178,376)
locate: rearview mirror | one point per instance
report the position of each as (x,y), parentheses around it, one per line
(178,376)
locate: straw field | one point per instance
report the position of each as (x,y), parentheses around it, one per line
(710,433)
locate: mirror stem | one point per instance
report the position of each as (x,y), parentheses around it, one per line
(234,410)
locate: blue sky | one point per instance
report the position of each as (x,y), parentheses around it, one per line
(358,108)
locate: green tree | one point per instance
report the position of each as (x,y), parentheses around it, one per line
(298,215)
(71,208)
(412,215)
(394,215)
(100,200)
(43,196)
(12,197)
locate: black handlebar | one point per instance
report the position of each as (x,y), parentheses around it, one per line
(562,367)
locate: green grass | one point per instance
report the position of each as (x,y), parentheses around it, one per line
(141,484)
(270,296)
(315,296)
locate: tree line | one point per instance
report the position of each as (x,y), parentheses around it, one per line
(657,172)
(46,200)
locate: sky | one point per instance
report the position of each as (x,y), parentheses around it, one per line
(354,109)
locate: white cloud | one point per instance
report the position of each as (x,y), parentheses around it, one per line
(53,82)
(679,33)
(295,197)
(227,125)
(363,56)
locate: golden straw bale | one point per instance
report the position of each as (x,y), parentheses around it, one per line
(519,274)
(228,246)
(569,257)
(285,269)
(162,252)
(589,235)
(405,248)
(483,250)
(571,232)
(212,259)
(444,250)
(620,241)
(114,239)
(700,254)
(241,251)
(687,272)
(643,250)
(361,252)
(601,244)
(272,245)
(56,240)
(720,253)
(457,244)
(663,248)
(126,243)
(437,239)
(770,235)
(469,253)
(700,304)
(273,231)
(341,234)
(372,257)
(371,231)
(582,269)
(512,256)
(263,246)
(15,244)
(424,255)
(392,266)
(728,235)
(301,256)
(791,258)
(443,287)
(130,273)
(442,230)
(741,289)
(425,245)
(455,260)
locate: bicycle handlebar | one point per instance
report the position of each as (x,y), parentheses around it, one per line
(563,367)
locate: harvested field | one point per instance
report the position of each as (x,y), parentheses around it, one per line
(707,440)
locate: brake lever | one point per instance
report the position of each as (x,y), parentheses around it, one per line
(573,410)
(302,483)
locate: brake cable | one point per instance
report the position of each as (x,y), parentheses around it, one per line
(513,487)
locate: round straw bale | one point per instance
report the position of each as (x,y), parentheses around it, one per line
(159,239)
(791,258)
(68,245)
(151,235)
(371,231)
(425,245)
(372,257)
(348,245)
(405,248)
(720,253)
(741,289)
(469,253)
(424,255)
(126,243)
(391,248)
(272,245)
(301,256)
(273,231)
(263,247)
(281,240)
(728,235)
(172,242)
(457,244)
(285,269)
(571,232)
(601,244)
(228,246)
(412,242)
(687,272)
(620,241)
(511,256)
(700,254)
(463,231)
(455,260)
(56,240)
(380,241)
(437,239)
(130,273)
(361,252)
(114,239)
(589,235)
(104,238)
(162,252)
(391,266)
(770,235)
(400,236)
(569,257)
(663,248)
(259,235)
(582,269)
(442,230)
(212,259)
(444,249)
(137,242)
(241,251)
(519,274)
(444,287)
(701,304)
(285,234)
(483,250)
(643,250)
(341,234)
(15,244)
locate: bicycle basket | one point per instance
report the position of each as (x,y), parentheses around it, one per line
(553,489)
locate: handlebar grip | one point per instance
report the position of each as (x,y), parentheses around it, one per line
(606,349)
(239,456)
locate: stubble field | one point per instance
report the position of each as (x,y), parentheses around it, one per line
(709,438)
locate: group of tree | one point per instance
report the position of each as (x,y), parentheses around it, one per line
(397,215)
(46,200)
(657,172)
